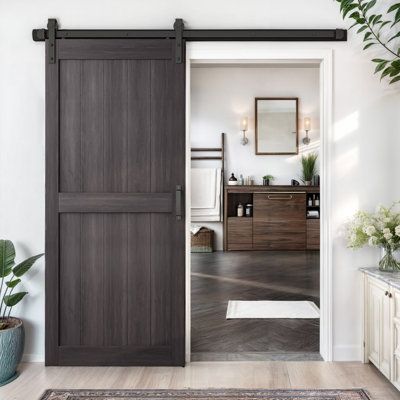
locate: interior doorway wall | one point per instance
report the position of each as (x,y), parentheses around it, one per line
(246,52)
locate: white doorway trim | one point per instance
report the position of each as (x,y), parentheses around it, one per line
(264,52)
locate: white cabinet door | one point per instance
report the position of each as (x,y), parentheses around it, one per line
(378,325)
(386,335)
(395,303)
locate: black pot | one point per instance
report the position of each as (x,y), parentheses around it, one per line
(265,182)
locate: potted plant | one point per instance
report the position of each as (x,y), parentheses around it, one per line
(267,179)
(11,329)
(381,229)
(309,167)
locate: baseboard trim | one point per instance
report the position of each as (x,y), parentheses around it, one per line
(33,358)
(347,353)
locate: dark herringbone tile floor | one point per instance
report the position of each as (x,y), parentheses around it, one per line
(219,277)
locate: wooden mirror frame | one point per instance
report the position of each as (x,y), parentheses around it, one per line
(297,125)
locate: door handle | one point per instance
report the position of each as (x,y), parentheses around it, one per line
(178,202)
(270,197)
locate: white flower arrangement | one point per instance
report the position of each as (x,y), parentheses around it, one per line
(379,229)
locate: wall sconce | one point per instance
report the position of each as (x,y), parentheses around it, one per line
(307,128)
(244,124)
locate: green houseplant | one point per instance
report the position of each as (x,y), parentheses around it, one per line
(267,179)
(380,229)
(11,329)
(309,167)
(380,30)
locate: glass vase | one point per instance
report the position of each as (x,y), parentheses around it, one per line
(388,262)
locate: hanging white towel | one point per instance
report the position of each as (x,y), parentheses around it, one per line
(203,187)
(206,194)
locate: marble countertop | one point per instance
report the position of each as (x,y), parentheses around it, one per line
(392,278)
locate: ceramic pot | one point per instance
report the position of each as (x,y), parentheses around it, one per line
(307,183)
(12,342)
(265,182)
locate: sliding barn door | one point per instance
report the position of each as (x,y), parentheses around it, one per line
(115,170)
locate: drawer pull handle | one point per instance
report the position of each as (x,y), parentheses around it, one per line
(280,197)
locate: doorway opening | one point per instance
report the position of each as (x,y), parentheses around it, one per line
(257,287)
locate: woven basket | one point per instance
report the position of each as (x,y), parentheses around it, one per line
(203,241)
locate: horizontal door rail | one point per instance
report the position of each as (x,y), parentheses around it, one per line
(115,202)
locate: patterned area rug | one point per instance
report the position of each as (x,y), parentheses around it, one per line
(224,394)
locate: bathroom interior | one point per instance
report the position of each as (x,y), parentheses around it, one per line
(255,211)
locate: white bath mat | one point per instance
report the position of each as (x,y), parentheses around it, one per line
(271,309)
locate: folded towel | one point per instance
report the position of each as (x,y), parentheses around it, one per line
(195,229)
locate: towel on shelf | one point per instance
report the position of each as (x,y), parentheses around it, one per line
(206,194)
(195,229)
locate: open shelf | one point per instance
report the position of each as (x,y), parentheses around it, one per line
(233,201)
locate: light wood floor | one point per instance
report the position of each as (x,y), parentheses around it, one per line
(35,378)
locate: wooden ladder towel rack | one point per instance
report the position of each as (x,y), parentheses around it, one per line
(220,157)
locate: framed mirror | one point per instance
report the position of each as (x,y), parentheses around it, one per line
(276,123)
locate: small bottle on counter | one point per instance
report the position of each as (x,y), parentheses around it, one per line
(240,210)
(232,180)
(241,180)
(249,210)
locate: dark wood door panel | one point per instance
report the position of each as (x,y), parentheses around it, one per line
(121,279)
(280,206)
(115,153)
(284,235)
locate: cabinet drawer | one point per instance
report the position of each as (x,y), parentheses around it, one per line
(240,233)
(275,206)
(279,235)
(313,234)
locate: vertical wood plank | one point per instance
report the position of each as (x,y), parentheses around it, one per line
(115,299)
(115,126)
(161,232)
(70,279)
(51,233)
(139,289)
(92,126)
(92,286)
(70,126)
(139,124)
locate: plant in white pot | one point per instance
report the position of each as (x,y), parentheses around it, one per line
(12,334)
(309,167)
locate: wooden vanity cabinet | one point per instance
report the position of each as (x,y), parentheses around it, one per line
(279,221)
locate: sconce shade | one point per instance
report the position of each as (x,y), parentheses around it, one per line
(307,124)
(244,123)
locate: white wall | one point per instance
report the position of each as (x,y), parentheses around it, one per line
(365,127)
(222,95)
